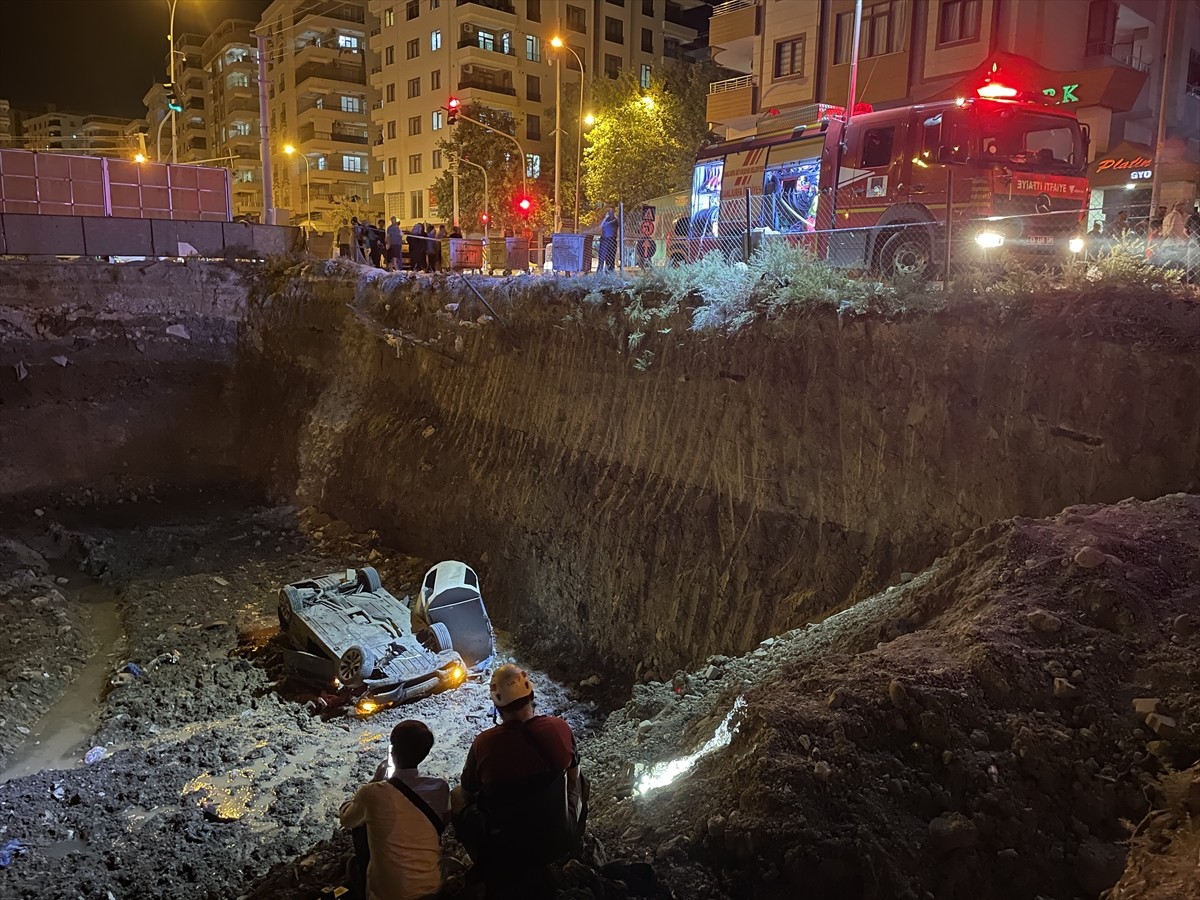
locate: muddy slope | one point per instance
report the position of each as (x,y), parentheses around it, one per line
(1000,727)
(115,379)
(650,510)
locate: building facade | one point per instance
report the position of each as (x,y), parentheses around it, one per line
(230,61)
(320,103)
(497,53)
(1104,59)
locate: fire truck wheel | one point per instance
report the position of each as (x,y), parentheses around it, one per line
(907,253)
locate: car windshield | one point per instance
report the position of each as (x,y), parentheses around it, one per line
(1030,140)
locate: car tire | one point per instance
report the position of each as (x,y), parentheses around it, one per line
(289,603)
(440,637)
(355,664)
(368,579)
(908,253)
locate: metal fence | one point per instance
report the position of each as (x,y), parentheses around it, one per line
(929,250)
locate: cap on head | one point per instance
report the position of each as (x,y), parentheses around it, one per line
(509,684)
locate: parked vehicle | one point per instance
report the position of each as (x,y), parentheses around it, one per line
(346,630)
(872,192)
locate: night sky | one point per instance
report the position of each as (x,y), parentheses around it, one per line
(96,56)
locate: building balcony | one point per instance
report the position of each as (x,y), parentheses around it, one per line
(732,101)
(336,72)
(337,10)
(336,135)
(499,6)
(1099,54)
(732,31)
(472,82)
(472,52)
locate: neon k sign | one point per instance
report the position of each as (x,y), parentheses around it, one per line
(1068,93)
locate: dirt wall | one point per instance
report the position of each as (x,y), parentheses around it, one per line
(114,379)
(738,486)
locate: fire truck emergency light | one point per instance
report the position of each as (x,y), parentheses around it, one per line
(994,91)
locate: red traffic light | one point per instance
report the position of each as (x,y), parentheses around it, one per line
(452,111)
(525,205)
(453,104)
(484,218)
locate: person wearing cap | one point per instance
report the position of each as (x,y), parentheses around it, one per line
(403,814)
(521,802)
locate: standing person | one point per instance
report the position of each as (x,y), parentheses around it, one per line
(435,246)
(608,240)
(455,231)
(1174,225)
(377,243)
(521,803)
(404,817)
(416,247)
(356,239)
(1193,223)
(395,245)
(1120,227)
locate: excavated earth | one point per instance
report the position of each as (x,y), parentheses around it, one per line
(773,579)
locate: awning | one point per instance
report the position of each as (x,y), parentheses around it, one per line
(1113,87)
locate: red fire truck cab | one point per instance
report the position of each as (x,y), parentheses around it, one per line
(873,192)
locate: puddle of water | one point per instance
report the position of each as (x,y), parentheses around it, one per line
(59,849)
(60,737)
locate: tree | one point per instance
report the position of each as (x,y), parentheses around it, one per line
(499,156)
(645,140)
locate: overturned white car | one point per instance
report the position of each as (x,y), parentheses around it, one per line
(345,629)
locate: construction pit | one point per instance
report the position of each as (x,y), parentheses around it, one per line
(838,605)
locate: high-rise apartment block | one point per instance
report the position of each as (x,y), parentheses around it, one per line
(497,53)
(1102,59)
(230,61)
(320,103)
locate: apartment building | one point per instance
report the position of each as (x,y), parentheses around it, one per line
(230,61)
(6,124)
(1102,58)
(497,53)
(191,82)
(52,130)
(320,103)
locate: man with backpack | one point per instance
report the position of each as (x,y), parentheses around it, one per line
(398,821)
(522,803)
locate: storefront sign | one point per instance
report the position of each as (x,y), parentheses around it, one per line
(1068,94)
(1124,162)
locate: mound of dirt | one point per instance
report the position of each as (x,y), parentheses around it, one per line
(996,727)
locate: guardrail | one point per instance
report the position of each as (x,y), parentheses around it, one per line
(732,6)
(731,84)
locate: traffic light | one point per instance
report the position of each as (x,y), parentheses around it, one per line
(173,102)
(484,218)
(452,111)
(525,206)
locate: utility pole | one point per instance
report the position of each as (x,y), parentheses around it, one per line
(171,72)
(1163,100)
(454,175)
(850,99)
(557,140)
(264,131)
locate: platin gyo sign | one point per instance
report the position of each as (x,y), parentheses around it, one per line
(1140,168)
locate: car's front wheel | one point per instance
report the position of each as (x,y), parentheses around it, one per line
(368,579)
(355,665)
(440,637)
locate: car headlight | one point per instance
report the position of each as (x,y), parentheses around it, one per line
(366,706)
(989,240)
(457,674)
(1075,245)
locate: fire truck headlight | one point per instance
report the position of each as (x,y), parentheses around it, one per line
(989,240)
(1075,245)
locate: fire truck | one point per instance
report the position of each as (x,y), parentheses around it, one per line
(872,192)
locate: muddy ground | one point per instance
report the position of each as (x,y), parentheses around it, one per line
(213,769)
(1021,720)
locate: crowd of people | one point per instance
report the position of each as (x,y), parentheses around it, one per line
(1180,221)
(521,804)
(383,245)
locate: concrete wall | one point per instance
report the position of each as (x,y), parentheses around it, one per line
(36,235)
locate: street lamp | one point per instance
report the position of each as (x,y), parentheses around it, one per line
(487,218)
(558,44)
(289,150)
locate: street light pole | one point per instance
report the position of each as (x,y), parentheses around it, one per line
(559,44)
(487,216)
(171,57)
(557,137)
(520,149)
(289,150)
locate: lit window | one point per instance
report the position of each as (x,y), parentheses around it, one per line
(533,165)
(389,17)
(439,119)
(352,164)
(348,41)
(533,48)
(435,40)
(644,77)
(238,80)
(352,104)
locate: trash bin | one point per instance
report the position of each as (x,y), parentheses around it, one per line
(572,252)
(466,253)
(516,254)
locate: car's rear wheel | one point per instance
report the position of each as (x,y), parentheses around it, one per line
(907,254)
(368,579)
(439,636)
(289,602)
(355,665)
